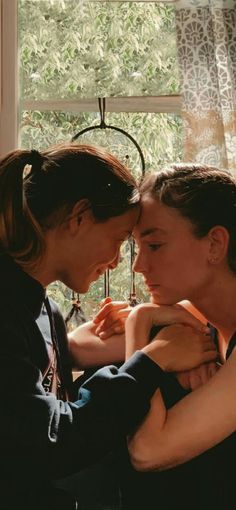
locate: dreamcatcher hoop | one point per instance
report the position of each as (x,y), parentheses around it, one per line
(76,310)
(103,125)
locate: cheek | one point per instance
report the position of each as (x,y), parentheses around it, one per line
(197,254)
(180,262)
(107,253)
(194,266)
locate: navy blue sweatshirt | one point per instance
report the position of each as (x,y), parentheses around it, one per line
(41,437)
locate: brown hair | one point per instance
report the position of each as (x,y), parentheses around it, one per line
(203,194)
(40,196)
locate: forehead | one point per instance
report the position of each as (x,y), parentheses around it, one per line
(126,222)
(158,218)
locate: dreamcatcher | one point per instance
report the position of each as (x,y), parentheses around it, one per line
(76,313)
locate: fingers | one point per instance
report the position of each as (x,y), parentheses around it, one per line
(191,320)
(149,314)
(116,330)
(187,348)
(109,308)
(200,375)
(195,381)
(105,330)
(177,314)
(208,350)
(203,375)
(208,344)
(189,335)
(105,301)
(114,321)
(111,318)
(209,356)
(212,369)
(183,379)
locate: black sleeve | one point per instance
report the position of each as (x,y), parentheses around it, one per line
(171,390)
(40,434)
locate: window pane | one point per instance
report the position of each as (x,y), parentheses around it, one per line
(158,135)
(78,49)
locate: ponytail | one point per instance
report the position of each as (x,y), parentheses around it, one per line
(20,234)
(39,190)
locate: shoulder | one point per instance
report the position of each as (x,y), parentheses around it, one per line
(56,312)
(58,320)
(191,308)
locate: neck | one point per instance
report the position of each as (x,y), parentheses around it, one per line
(218,305)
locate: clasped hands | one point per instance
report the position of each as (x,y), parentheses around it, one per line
(183,346)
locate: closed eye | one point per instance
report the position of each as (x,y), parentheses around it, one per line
(154,247)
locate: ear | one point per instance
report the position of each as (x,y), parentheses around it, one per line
(81,214)
(218,244)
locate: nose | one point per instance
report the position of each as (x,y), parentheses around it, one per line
(114,263)
(139,265)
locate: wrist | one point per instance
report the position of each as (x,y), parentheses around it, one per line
(159,353)
(138,326)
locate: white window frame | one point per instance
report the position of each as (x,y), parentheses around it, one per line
(9,102)
(8,76)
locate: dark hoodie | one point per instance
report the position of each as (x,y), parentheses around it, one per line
(42,437)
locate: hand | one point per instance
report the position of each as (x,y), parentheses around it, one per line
(192,379)
(143,317)
(178,348)
(111,318)
(151,314)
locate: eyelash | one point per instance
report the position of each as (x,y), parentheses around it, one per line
(154,247)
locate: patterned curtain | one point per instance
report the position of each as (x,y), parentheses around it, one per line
(206,35)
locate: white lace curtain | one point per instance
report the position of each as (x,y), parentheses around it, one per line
(206,35)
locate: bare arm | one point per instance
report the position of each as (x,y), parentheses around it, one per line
(143,317)
(167,438)
(183,313)
(88,350)
(195,424)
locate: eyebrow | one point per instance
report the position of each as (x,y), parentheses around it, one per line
(152,230)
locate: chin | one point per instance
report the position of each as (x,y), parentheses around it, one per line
(85,286)
(163,301)
(82,288)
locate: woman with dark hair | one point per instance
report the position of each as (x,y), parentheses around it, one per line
(186,238)
(63,216)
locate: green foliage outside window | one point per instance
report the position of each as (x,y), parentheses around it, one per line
(78,48)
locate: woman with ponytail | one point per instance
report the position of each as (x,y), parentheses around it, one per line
(63,216)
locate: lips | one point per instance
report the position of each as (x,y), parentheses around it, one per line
(152,286)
